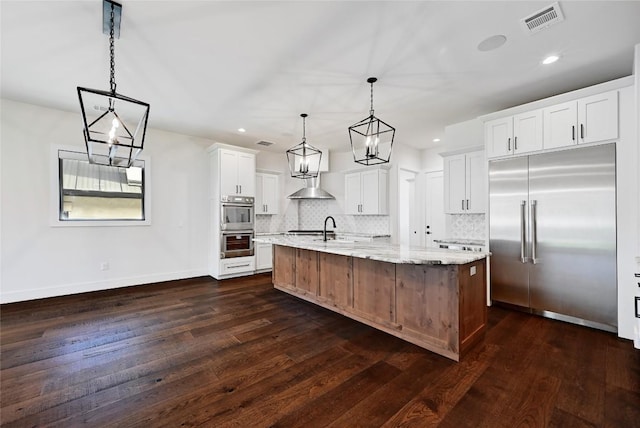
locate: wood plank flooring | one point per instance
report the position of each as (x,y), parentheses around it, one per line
(203,353)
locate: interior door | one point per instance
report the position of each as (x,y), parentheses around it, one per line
(434,208)
(508,223)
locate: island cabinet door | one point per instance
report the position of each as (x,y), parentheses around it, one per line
(427,304)
(284,267)
(336,281)
(473,303)
(374,290)
(307,271)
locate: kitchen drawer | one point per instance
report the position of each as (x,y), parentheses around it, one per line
(237,265)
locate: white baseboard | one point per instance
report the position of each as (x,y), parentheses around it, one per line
(84,287)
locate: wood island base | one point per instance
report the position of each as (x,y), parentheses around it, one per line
(438,307)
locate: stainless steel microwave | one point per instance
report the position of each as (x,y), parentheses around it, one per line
(236,213)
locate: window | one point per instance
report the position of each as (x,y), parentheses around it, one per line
(89,193)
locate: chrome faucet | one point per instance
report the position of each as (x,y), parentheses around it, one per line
(324,234)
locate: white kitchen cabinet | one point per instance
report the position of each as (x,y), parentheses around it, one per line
(231,173)
(560,123)
(264,256)
(498,135)
(238,266)
(266,193)
(512,135)
(598,117)
(237,173)
(586,120)
(366,192)
(464,183)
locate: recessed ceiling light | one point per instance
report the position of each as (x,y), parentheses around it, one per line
(550,59)
(436,140)
(491,43)
(242,130)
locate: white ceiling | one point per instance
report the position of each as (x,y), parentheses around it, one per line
(210,67)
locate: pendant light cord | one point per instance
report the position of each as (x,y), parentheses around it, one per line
(371,110)
(112,76)
(304,129)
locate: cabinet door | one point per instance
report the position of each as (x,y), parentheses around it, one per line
(475,177)
(260,207)
(264,256)
(598,117)
(455,184)
(498,135)
(370,192)
(527,132)
(269,192)
(245,174)
(352,201)
(560,125)
(228,170)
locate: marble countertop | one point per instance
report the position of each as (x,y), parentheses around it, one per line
(376,251)
(460,241)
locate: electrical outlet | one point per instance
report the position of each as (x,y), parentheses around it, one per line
(473,270)
(104,266)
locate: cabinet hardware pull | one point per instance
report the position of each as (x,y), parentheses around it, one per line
(573,133)
(509,144)
(523,228)
(534,232)
(582,131)
(467,204)
(462,205)
(515,143)
(238,266)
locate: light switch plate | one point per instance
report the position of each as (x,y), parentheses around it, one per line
(473,270)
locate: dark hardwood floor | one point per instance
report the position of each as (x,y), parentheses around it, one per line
(203,353)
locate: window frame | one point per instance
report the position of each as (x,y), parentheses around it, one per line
(56,193)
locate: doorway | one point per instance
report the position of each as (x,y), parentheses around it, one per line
(434,208)
(407,215)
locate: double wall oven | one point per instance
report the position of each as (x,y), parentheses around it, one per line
(236,226)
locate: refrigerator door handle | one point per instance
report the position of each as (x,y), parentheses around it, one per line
(534,232)
(523,231)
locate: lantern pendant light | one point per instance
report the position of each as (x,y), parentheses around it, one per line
(304,159)
(371,138)
(114,125)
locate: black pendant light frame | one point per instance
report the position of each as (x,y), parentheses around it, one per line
(104,147)
(304,159)
(370,130)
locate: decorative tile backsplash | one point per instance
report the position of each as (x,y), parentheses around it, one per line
(469,226)
(310,214)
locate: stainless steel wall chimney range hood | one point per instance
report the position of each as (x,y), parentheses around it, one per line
(311,191)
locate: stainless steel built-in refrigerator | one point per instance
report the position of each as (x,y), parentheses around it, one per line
(552,228)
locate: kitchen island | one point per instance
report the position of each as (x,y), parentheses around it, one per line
(434,298)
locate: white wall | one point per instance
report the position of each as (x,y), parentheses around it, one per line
(464,134)
(39,260)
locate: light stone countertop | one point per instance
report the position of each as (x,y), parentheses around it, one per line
(460,241)
(376,251)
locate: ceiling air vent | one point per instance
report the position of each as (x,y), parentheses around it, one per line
(264,143)
(544,18)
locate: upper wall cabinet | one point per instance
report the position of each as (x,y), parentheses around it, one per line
(366,192)
(232,171)
(587,120)
(521,133)
(266,193)
(237,173)
(464,183)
